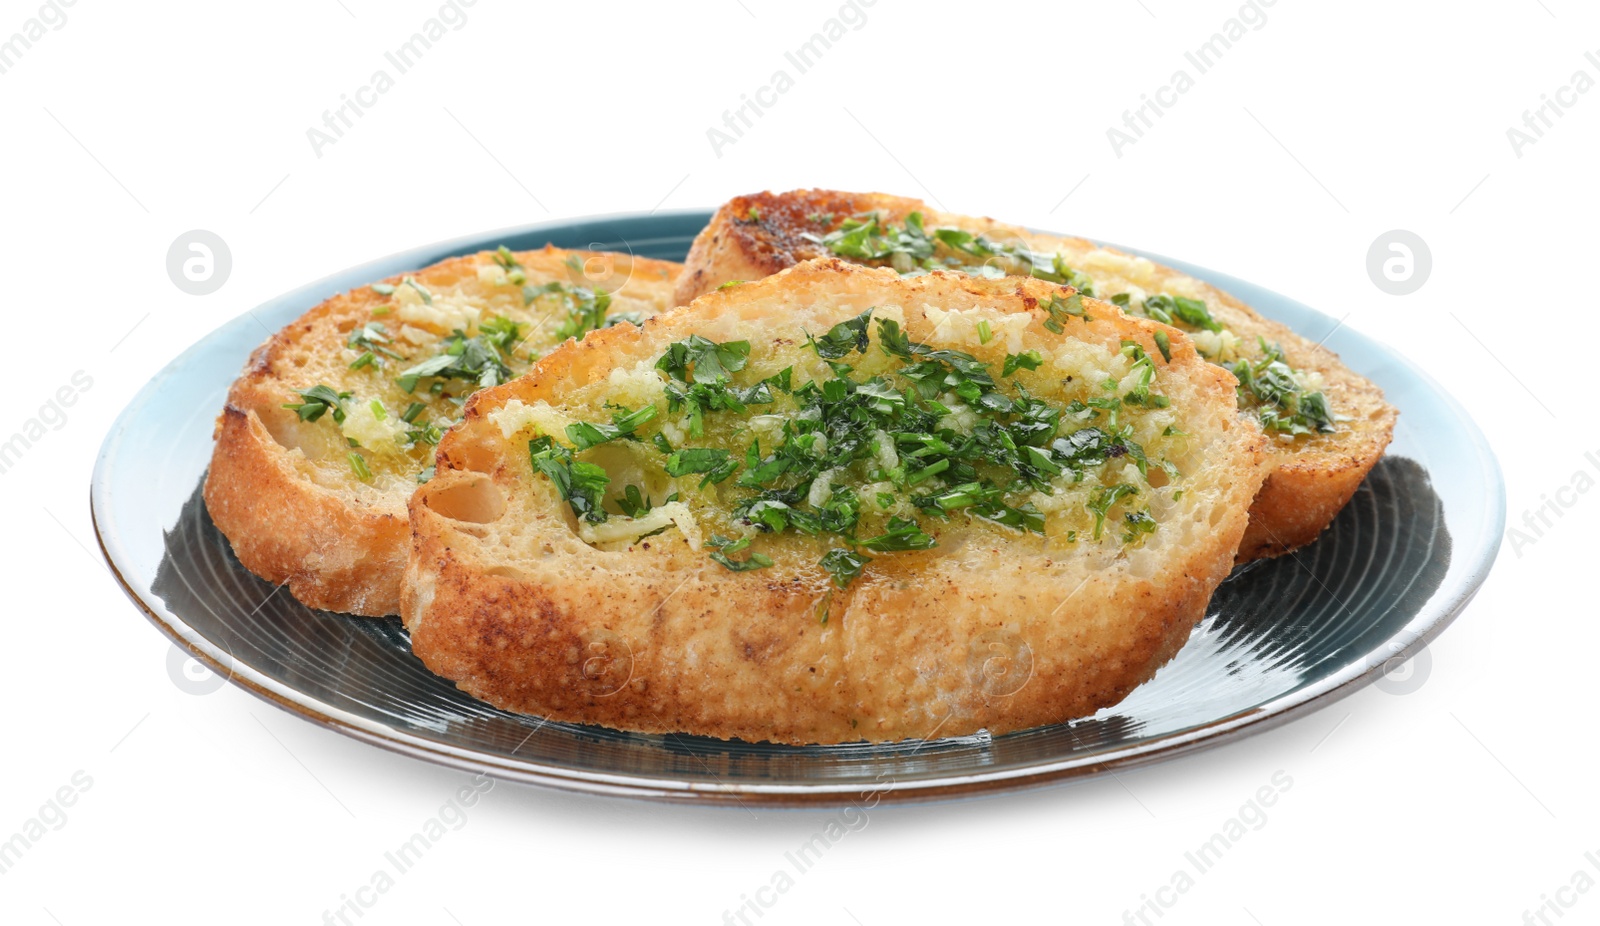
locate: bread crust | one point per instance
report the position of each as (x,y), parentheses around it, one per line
(291,518)
(502,598)
(333,555)
(752,236)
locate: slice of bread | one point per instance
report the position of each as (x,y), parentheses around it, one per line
(858,507)
(315,495)
(1320,459)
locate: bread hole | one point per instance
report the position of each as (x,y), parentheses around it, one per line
(474,501)
(477,456)
(290,433)
(624,468)
(509,572)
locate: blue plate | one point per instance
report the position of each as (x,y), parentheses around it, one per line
(1281,639)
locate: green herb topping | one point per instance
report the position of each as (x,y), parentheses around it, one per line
(867,464)
(1268,385)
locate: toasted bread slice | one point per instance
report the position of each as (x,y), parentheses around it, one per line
(314,495)
(1328,425)
(835,505)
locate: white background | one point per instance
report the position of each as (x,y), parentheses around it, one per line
(1468,800)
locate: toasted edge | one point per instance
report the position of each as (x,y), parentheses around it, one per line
(333,554)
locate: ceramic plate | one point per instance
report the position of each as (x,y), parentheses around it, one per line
(1281,639)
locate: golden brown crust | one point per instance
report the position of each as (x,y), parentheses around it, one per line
(752,236)
(755,236)
(282,491)
(504,599)
(332,554)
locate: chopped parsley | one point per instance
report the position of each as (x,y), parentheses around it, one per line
(481,354)
(587,312)
(477,360)
(844,566)
(1062,309)
(422,291)
(581,484)
(867,464)
(372,339)
(722,546)
(1164,344)
(515,274)
(316,401)
(1268,386)
(717,465)
(1267,383)
(911,248)
(1103,498)
(585,435)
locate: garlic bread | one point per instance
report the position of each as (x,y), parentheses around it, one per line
(332,424)
(835,505)
(1327,425)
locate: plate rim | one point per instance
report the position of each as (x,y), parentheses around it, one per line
(1423,627)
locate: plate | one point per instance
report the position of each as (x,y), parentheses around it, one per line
(1281,638)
